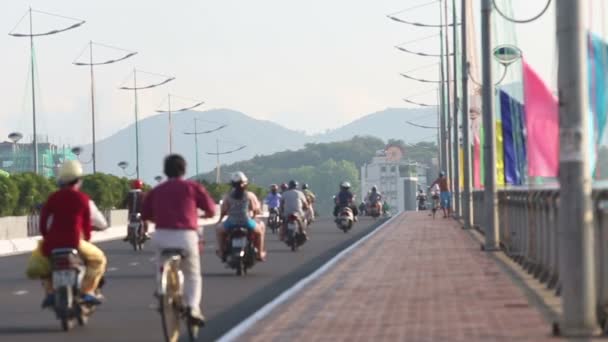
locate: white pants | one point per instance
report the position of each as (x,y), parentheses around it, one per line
(191,263)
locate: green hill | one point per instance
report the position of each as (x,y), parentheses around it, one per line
(323,166)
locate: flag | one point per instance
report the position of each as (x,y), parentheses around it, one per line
(511,115)
(542,126)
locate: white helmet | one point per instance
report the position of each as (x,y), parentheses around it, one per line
(239,177)
(70,171)
(345,185)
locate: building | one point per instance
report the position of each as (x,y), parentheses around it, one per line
(396,177)
(19,157)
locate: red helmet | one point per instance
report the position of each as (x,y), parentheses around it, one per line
(137,184)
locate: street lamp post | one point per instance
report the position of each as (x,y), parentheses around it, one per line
(31,36)
(170,112)
(196,133)
(217,153)
(15,137)
(91,65)
(124,165)
(135,88)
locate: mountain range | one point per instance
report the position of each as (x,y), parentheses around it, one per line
(260,137)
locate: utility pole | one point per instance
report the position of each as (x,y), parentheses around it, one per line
(35,139)
(456,178)
(136,124)
(489,147)
(467,203)
(443,137)
(450,171)
(92,104)
(217,151)
(575,224)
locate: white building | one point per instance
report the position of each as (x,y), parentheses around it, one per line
(393,175)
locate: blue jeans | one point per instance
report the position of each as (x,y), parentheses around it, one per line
(446,199)
(250,225)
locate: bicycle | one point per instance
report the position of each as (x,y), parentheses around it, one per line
(435,205)
(170,296)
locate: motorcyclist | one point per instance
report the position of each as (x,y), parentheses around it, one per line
(345,198)
(241,207)
(134,203)
(374,197)
(284,188)
(421,198)
(294,202)
(311,198)
(445,194)
(173,206)
(363,208)
(66,221)
(273,199)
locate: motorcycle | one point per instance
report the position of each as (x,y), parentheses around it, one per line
(136,235)
(274,220)
(422,203)
(375,209)
(294,233)
(240,250)
(345,219)
(68,271)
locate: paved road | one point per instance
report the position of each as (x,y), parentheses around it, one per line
(129,315)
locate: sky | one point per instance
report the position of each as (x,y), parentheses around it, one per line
(308,65)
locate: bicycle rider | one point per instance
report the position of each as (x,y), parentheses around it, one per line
(173,206)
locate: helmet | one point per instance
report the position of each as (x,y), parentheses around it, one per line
(70,171)
(239,177)
(274,187)
(283,186)
(442,174)
(374,188)
(345,185)
(304,186)
(137,184)
(293,184)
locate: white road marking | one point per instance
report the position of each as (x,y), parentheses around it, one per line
(112,269)
(135,263)
(20,292)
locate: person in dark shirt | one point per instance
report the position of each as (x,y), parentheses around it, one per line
(345,198)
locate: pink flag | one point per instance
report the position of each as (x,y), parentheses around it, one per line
(542,126)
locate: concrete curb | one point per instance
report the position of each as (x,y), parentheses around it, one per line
(26,245)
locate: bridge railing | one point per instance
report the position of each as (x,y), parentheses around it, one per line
(528,233)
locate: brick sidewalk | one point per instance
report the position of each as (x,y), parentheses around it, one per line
(418,279)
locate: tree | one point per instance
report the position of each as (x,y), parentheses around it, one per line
(9,195)
(33,191)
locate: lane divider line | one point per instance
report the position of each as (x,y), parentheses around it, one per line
(236,332)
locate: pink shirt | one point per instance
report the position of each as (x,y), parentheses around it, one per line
(173,204)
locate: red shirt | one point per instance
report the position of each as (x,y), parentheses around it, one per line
(173,204)
(65,219)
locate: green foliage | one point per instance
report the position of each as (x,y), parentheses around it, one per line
(107,191)
(217,191)
(9,195)
(33,191)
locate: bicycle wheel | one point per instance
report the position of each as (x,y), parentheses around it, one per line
(169,310)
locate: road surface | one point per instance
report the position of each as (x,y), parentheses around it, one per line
(129,311)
